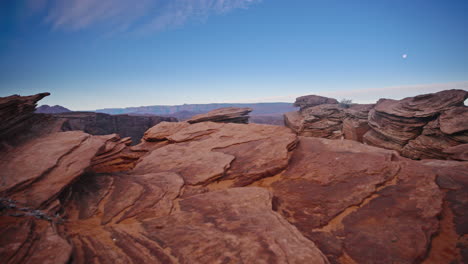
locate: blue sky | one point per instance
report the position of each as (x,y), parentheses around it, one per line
(115,53)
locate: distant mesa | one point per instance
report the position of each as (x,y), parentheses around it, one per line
(46,109)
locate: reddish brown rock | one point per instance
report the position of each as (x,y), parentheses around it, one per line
(163,130)
(30,240)
(349,198)
(224,115)
(331,121)
(459,152)
(454,120)
(421,106)
(313,100)
(450,244)
(413,126)
(150,225)
(17,115)
(355,124)
(55,161)
(239,227)
(205,152)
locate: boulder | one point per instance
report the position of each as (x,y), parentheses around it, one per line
(224,115)
(307,101)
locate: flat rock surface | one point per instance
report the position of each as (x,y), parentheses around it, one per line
(348,198)
(207,151)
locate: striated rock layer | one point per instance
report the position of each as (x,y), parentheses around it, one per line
(429,126)
(224,115)
(328,120)
(421,127)
(227,193)
(16,113)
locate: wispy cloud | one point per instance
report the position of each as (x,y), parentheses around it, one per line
(373,94)
(124,15)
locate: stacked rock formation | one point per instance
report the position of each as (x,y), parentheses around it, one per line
(422,127)
(16,113)
(227,193)
(326,118)
(224,115)
(430,126)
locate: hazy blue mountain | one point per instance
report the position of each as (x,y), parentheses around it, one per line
(259,108)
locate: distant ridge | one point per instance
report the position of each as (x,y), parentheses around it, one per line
(258,109)
(47,109)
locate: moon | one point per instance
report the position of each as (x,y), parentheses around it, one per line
(404,56)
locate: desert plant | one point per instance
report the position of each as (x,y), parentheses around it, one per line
(346,103)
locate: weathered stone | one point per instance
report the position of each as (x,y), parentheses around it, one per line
(313,100)
(205,152)
(224,115)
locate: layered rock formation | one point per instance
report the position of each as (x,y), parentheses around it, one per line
(421,127)
(430,126)
(227,193)
(326,118)
(224,115)
(17,114)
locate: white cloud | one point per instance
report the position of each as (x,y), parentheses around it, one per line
(142,15)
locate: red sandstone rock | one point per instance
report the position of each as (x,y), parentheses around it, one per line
(224,115)
(331,121)
(313,100)
(360,204)
(450,244)
(170,199)
(412,125)
(207,151)
(16,112)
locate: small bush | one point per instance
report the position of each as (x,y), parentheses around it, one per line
(346,103)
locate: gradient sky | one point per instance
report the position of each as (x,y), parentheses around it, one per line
(94,54)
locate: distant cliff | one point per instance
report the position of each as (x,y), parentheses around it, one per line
(258,109)
(104,124)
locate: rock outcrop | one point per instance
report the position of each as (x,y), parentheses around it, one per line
(307,101)
(430,126)
(228,193)
(224,115)
(326,118)
(421,127)
(16,113)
